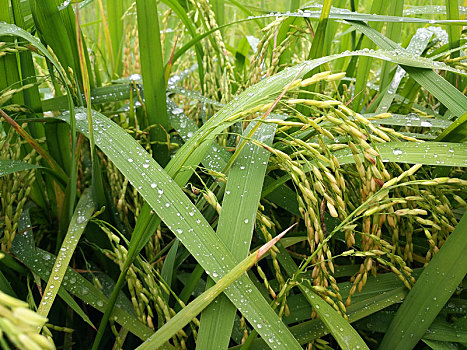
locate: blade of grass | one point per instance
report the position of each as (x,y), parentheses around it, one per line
(416,47)
(12,30)
(364,63)
(180,11)
(317,46)
(34,144)
(31,96)
(24,225)
(341,330)
(152,69)
(430,293)
(410,120)
(439,330)
(447,94)
(454,34)
(182,318)
(308,331)
(393,32)
(346,336)
(115,10)
(175,209)
(367,17)
(332,30)
(10,166)
(83,213)
(42,263)
(146,225)
(9,73)
(456,132)
(168,267)
(235,227)
(430,10)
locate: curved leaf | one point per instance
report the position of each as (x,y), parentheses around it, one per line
(10,166)
(79,220)
(186,222)
(433,289)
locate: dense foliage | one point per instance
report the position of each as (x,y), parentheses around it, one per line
(211,174)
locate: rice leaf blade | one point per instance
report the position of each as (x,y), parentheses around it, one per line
(189,312)
(83,213)
(430,293)
(152,66)
(173,207)
(235,227)
(10,166)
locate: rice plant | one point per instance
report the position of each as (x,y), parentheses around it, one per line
(233,175)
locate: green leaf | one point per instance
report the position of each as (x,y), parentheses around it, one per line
(432,290)
(10,166)
(186,222)
(42,262)
(427,153)
(12,30)
(182,318)
(235,227)
(393,32)
(152,68)
(317,46)
(341,330)
(308,331)
(416,47)
(410,120)
(181,13)
(365,63)
(454,33)
(439,345)
(115,10)
(439,330)
(338,14)
(447,94)
(456,132)
(79,220)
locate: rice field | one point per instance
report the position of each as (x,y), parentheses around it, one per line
(233,174)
